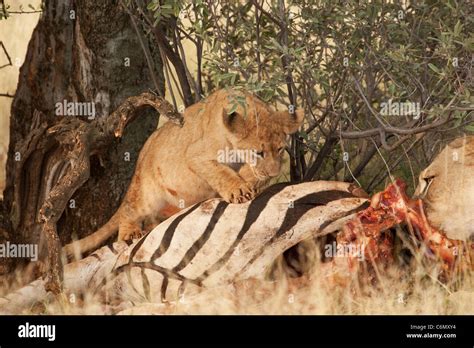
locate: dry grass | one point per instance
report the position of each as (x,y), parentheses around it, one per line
(409,290)
(318,298)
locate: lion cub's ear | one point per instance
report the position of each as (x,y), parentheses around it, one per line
(235,123)
(290,122)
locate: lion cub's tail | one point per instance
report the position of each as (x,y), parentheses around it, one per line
(95,240)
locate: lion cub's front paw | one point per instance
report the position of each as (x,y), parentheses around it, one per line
(240,193)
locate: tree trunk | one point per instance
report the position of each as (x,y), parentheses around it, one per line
(80,51)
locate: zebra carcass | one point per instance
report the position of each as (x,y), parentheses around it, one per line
(207,245)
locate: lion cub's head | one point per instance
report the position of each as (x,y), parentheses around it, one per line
(257,133)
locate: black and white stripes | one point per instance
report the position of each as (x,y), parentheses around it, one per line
(216,242)
(211,244)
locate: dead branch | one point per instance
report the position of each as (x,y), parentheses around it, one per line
(75,141)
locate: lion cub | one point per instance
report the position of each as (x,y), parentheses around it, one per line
(181,166)
(447,189)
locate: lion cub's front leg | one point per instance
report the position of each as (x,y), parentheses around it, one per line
(247,173)
(225,181)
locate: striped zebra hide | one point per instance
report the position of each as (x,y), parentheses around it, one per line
(207,245)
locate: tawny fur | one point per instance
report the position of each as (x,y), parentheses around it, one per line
(178,166)
(447,189)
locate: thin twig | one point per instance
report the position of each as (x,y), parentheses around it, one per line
(8,56)
(275,20)
(25,12)
(144,47)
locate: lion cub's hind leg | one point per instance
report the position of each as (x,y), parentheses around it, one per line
(139,217)
(129,230)
(132,216)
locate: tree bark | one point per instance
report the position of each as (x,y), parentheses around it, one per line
(80,51)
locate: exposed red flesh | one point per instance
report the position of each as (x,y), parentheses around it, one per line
(387,209)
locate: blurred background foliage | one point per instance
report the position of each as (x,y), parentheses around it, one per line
(340,61)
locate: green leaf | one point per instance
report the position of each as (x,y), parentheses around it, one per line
(469,127)
(232,109)
(457,28)
(434,68)
(303,135)
(153,5)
